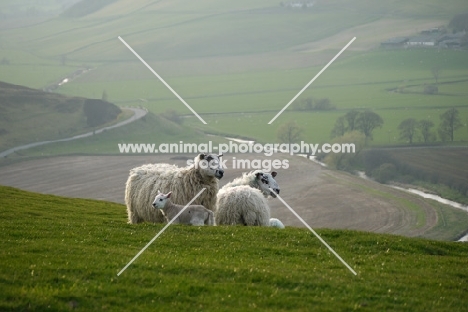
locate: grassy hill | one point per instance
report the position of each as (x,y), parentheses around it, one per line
(238,63)
(59,254)
(30,115)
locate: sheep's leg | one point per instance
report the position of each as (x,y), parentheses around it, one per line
(133,218)
(250,218)
(197,221)
(210,218)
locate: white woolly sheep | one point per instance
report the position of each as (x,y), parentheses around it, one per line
(243,201)
(276,223)
(144,182)
(192,215)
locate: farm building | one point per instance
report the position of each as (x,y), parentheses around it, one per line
(424,41)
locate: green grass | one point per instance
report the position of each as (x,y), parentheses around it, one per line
(440,170)
(60,253)
(212,64)
(152,129)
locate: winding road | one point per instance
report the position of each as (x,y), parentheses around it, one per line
(138,113)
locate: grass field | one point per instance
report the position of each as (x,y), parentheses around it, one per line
(74,264)
(440,170)
(247,58)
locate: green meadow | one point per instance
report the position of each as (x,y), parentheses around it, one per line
(231,61)
(74,264)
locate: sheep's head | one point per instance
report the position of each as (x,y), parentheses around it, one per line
(161,199)
(266,181)
(209,165)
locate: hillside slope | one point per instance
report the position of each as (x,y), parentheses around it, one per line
(324,198)
(30,115)
(59,254)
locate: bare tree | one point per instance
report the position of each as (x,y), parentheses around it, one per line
(340,128)
(449,122)
(104,96)
(367,121)
(424,127)
(407,129)
(436,72)
(289,133)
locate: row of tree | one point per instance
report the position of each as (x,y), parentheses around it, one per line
(449,122)
(312,104)
(363,121)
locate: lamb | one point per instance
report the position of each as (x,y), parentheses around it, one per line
(192,215)
(144,181)
(276,223)
(243,201)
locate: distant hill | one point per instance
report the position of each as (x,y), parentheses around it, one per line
(29,115)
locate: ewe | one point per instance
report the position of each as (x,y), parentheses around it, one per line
(243,201)
(192,215)
(144,181)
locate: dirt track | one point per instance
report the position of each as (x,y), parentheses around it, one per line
(324,198)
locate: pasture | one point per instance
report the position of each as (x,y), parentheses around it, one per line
(74,264)
(249,58)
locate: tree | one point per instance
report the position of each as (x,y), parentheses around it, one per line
(104,96)
(351,119)
(436,72)
(172,115)
(459,22)
(407,129)
(340,128)
(424,127)
(367,121)
(324,104)
(431,89)
(289,133)
(450,121)
(346,160)
(98,112)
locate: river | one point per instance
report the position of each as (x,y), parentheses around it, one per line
(437,198)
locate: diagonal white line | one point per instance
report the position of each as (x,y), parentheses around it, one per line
(160,232)
(313,232)
(162,80)
(313,79)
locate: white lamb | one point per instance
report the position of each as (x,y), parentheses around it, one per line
(192,215)
(276,223)
(243,201)
(144,182)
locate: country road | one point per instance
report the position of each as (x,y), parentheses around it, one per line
(138,113)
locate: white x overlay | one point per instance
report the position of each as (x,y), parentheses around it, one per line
(313,79)
(162,80)
(160,232)
(313,232)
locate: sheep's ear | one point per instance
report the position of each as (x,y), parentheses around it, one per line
(220,155)
(168,195)
(201,156)
(159,192)
(274,173)
(258,175)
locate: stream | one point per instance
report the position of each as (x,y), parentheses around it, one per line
(437,198)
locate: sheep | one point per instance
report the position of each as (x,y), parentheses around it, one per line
(276,223)
(144,181)
(243,201)
(192,215)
